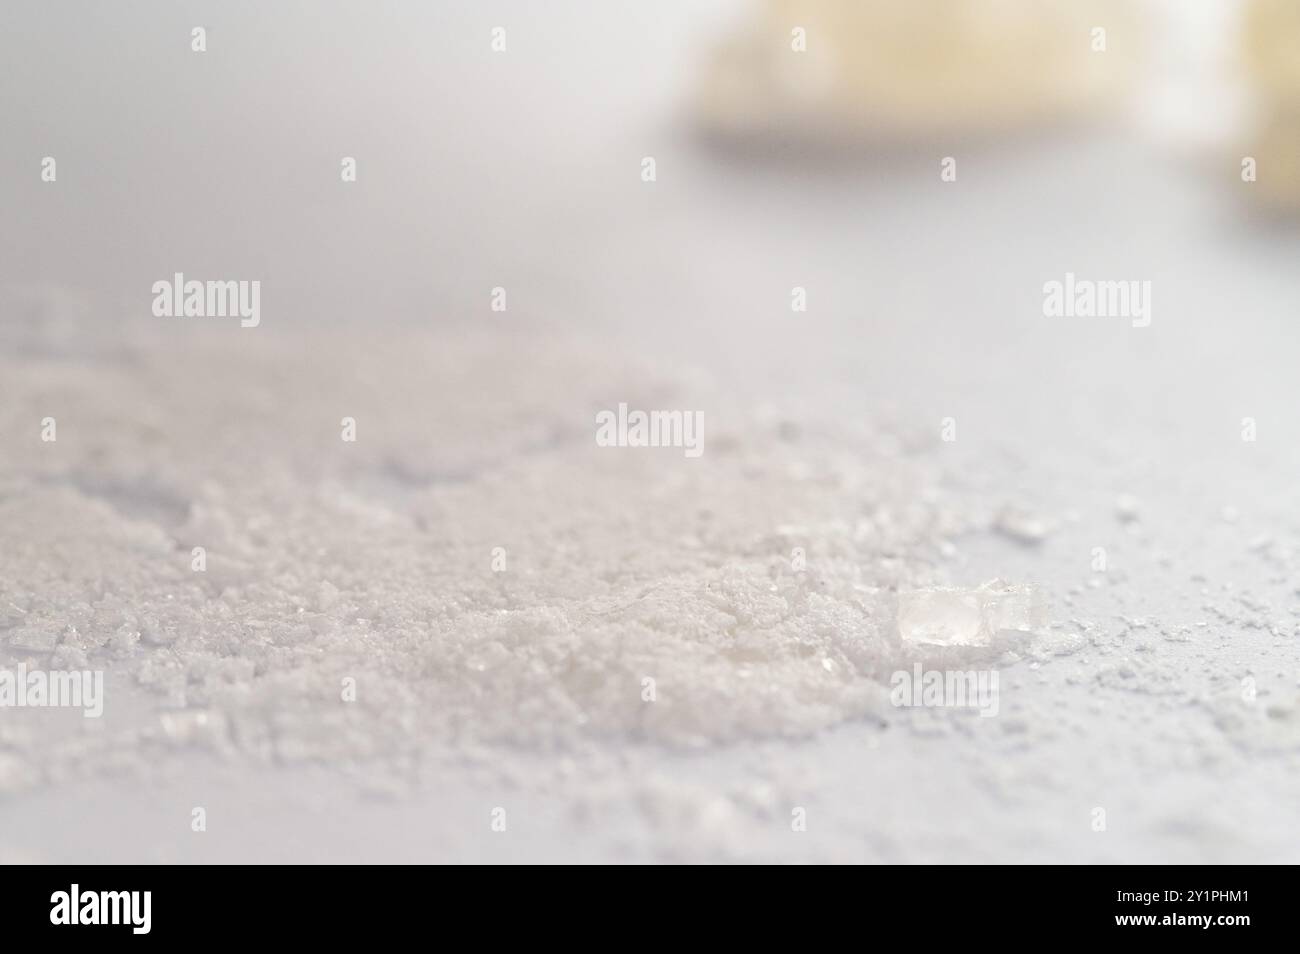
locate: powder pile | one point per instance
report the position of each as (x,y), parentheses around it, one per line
(747,594)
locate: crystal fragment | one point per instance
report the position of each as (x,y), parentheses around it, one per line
(964,616)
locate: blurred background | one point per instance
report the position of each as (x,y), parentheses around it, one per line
(818,169)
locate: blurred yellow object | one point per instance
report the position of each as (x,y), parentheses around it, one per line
(1271,51)
(1272,47)
(912,69)
(1277,152)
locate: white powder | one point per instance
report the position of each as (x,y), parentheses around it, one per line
(372,560)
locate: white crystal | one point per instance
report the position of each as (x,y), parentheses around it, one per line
(34,638)
(964,616)
(1021,526)
(1127,507)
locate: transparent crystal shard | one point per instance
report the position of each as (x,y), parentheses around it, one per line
(1011,606)
(941,616)
(965,616)
(1022,526)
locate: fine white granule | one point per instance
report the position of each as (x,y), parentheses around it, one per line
(645,596)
